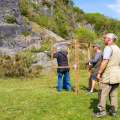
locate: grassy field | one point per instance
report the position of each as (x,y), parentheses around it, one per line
(34,99)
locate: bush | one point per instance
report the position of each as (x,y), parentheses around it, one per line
(44,21)
(26,33)
(17,66)
(10,19)
(28,58)
(25,7)
(36,71)
(46,46)
(35,6)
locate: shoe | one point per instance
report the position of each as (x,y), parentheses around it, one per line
(114,114)
(98,106)
(100,114)
(68,89)
(112,111)
(90,92)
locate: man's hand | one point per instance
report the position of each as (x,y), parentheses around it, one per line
(102,68)
(99,77)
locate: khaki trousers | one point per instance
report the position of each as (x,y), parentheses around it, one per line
(111,91)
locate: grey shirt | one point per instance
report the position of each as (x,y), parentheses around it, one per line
(107,53)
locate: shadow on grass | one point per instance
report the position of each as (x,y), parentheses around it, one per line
(94,103)
(84,88)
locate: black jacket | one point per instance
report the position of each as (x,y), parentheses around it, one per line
(62,60)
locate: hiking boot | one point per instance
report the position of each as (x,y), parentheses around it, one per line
(112,111)
(100,114)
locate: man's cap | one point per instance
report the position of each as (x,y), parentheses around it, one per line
(112,36)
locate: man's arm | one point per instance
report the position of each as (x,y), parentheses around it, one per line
(106,57)
(103,66)
(54,55)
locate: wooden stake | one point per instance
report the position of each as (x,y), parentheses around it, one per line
(89,71)
(76,67)
(52,66)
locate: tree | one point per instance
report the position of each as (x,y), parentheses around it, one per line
(85,35)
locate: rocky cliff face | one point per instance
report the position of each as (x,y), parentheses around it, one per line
(46,6)
(11,21)
(10,8)
(43,1)
(11,25)
(12,39)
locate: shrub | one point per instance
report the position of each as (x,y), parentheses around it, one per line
(46,46)
(25,7)
(10,19)
(35,6)
(44,21)
(28,58)
(17,66)
(26,33)
(35,71)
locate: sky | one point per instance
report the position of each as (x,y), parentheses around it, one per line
(110,8)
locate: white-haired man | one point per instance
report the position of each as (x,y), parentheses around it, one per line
(63,69)
(109,76)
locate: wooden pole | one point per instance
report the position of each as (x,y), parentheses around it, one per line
(76,67)
(89,49)
(68,54)
(89,70)
(52,66)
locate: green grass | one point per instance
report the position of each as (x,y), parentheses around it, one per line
(37,99)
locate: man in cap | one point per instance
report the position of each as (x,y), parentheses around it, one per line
(108,76)
(95,64)
(63,68)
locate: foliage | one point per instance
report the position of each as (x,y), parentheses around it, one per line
(26,33)
(83,34)
(102,23)
(46,46)
(35,6)
(66,18)
(25,7)
(10,19)
(35,71)
(18,65)
(62,22)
